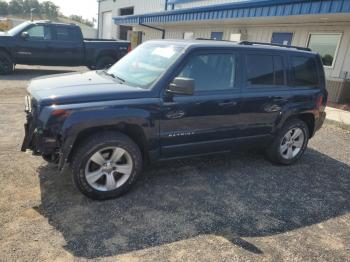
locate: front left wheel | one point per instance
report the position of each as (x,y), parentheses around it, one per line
(106,165)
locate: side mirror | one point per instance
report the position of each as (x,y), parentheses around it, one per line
(25,35)
(182,86)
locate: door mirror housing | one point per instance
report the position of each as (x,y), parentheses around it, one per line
(182,86)
(25,35)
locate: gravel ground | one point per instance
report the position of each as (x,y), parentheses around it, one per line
(234,207)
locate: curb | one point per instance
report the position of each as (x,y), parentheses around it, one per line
(338,124)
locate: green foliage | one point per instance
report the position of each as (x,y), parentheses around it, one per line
(49,9)
(327,60)
(3,8)
(81,20)
(46,9)
(31,4)
(43,10)
(15,7)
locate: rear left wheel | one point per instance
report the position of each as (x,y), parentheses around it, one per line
(6,64)
(290,143)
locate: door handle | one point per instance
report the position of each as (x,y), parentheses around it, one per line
(228,103)
(175,114)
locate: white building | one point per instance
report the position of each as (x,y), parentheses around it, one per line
(322,25)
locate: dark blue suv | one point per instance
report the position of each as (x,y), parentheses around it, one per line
(170,99)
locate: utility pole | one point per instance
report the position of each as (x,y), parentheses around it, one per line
(31,13)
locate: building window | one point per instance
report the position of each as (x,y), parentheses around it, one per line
(326,45)
(124,31)
(217,35)
(188,35)
(263,70)
(282,38)
(126,11)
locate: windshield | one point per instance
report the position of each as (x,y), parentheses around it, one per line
(18,29)
(144,65)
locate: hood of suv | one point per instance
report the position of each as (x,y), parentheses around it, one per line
(92,86)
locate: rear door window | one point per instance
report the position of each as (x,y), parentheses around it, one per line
(304,71)
(67,34)
(264,70)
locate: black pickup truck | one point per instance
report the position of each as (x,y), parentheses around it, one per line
(56,44)
(169,99)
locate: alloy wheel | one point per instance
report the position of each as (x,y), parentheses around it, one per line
(108,168)
(292,143)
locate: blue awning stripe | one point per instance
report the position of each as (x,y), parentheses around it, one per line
(247,9)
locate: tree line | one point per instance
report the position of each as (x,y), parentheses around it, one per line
(22,8)
(43,10)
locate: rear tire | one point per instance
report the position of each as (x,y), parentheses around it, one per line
(290,143)
(6,64)
(104,62)
(106,165)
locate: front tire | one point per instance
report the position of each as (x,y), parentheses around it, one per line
(106,165)
(290,143)
(6,64)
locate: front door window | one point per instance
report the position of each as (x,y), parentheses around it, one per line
(39,32)
(211,72)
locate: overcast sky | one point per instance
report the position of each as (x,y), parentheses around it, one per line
(85,8)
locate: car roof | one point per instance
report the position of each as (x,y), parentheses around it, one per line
(207,43)
(39,22)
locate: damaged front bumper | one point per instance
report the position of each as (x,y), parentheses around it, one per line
(29,125)
(35,138)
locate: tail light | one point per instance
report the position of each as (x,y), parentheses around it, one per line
(129,48)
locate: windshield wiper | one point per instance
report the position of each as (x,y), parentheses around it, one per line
(109,74)
(119,78)
(114,76)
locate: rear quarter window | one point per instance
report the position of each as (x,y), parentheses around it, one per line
(304,71)
(264,70)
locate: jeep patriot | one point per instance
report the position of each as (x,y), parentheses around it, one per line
(174,98)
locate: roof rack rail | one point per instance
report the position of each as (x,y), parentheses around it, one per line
(210,39)
(269,44)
